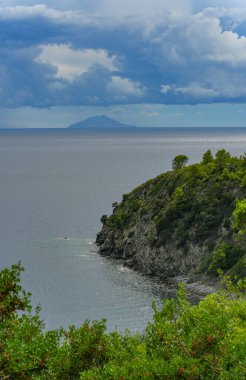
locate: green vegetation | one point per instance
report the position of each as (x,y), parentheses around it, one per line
(179,161)
(239,215)
(205,341)
(195,214)
(207,157)
(200,208)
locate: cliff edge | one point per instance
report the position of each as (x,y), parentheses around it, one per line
(183,222)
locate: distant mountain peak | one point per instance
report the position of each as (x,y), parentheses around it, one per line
(100,122)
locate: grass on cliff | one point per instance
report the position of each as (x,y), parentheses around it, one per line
(205,341)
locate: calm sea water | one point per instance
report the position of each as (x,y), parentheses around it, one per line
(57,183)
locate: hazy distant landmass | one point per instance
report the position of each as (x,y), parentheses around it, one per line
(100,122)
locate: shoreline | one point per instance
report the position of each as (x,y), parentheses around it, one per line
(196,290)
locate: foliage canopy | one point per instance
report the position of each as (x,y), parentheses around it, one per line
(179,161)
(205,341)
(239,215)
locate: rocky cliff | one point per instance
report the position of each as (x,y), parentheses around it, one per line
(182,222)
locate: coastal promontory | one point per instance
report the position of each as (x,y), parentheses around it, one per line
(190,221)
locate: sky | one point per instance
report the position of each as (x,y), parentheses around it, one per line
(148,63)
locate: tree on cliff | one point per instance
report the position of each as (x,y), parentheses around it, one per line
(222,158)
(207,157)
(179,161)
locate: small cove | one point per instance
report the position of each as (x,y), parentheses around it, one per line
(58,183)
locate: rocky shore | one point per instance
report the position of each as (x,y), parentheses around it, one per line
(152,263)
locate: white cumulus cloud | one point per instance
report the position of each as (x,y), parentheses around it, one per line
(122,87)
(70,62)
(165,88)
(196,90)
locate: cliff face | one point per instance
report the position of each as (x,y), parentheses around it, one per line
(181,223)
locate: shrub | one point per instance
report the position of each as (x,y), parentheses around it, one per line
(239,215)
(184,341)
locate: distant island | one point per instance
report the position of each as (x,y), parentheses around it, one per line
(100,122)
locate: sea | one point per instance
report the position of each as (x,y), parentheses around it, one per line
(55,186)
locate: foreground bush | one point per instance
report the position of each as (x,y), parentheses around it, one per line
(205,341)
